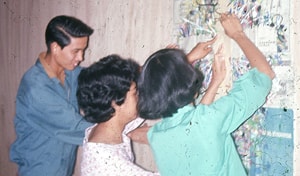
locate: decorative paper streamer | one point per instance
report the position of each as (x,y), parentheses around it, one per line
(199,18)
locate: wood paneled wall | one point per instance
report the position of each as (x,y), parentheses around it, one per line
(131,28)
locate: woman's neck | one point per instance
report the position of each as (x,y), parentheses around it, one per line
(108,133)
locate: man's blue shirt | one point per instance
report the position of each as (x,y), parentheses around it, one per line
(47,122)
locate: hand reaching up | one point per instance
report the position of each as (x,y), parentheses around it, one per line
(200,50)
(231,24)
(218,76)
(234,30)
(219,67)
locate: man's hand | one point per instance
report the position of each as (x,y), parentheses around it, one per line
(139,134)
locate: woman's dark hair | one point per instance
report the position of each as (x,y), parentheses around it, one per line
(103,82)
(167,83)
(61,28)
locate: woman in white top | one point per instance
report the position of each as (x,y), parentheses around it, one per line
(107,96)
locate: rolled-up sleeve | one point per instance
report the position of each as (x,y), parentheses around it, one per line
(247,95)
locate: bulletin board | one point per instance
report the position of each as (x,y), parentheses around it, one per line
(265,141)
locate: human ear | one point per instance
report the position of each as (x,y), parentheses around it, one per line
(54,47)
(114,105)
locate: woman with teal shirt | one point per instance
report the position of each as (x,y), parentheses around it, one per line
(196,139)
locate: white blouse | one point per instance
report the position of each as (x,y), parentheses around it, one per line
(99,159)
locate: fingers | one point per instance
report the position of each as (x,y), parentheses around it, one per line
(208,49)
(219,66)
(207,46)
(146,125)
(209,42)
(219,56)
(220,50)
(139,135)
(225,16)
(172,46)
(231,24)
(218,70)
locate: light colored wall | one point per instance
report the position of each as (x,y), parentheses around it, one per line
(131,28)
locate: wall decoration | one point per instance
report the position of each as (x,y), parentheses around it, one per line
(265,141)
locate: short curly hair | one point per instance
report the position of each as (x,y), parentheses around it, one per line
(103,82)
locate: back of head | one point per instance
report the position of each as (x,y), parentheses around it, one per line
(61,28)
(103,82)
(167,83)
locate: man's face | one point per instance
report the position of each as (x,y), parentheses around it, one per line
(71,55)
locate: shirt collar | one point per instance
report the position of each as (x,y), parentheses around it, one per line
(175,119)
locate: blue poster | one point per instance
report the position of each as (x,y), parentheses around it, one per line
(265,142)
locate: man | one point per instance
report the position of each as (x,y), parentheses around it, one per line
(47,122)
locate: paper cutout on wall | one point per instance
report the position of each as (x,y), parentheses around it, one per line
(265,141)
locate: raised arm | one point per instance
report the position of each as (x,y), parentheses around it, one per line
(234,30)
(218,76)
(200,50)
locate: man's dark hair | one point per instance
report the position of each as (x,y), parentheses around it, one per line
(61,28)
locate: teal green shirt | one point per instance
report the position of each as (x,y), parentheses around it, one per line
(197,140)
